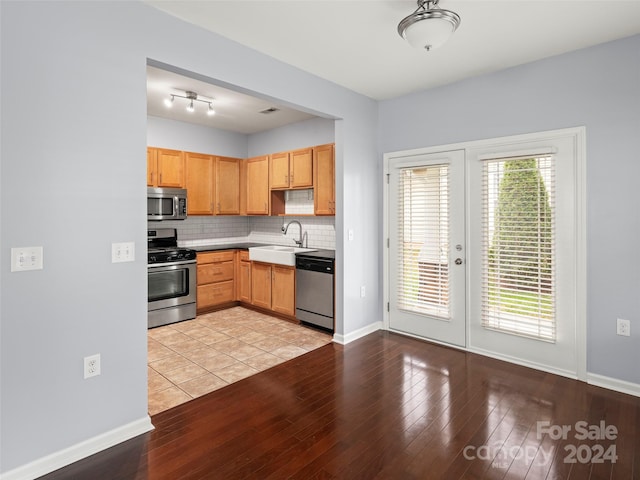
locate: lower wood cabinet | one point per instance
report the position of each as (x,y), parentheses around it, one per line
(273,287)
(228,276)
(244,277)
(216,279)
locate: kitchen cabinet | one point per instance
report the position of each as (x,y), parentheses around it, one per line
(283,290)
(273,287)
(200,172)
(216,279)
(279,170)
(244,277)
(213,184)
(165,168)
(324,179)
(290,170)
(257,186)
(261,285)
(227,186)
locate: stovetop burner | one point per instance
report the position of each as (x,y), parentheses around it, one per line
(162,247)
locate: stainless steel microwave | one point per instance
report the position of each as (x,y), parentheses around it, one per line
(166,204)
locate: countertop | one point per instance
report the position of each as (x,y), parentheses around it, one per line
(319,253)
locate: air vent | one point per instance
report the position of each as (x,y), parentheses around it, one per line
(270,110)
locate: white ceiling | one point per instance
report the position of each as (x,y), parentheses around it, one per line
(235,112)
(355,43)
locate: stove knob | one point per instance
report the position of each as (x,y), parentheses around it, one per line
(152,258)
(180,255)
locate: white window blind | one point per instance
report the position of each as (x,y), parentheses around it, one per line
(423,240)
(518,281)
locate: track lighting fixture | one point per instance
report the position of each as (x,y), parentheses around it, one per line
(191,97)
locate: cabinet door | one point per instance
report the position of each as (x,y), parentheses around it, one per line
(170,168)
(261,285)
(283,293)
(244,282)
(227,191)
(199,184)
(301,169)
(280,170)
(258,186)
(152,167)
(324,180)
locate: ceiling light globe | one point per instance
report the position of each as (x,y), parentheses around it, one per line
(428,29)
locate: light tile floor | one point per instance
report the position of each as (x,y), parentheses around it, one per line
(195,357)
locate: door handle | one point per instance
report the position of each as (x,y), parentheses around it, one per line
(458,261)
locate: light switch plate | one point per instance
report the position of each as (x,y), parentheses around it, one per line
(26,258)
(123,252)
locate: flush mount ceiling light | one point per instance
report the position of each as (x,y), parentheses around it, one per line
(429,26)
(191,97)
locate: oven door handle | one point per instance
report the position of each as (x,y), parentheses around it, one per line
(170,264)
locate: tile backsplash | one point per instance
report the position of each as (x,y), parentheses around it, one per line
(203,230)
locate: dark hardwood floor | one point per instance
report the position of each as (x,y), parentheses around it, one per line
(386,407)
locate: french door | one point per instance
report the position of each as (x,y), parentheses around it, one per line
(427,246)
(486,248)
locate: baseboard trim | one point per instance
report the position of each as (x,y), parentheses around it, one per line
(610,383)
(523,363)
(76,452)
(362,332)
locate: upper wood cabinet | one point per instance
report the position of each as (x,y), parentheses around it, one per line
(280,170)
(213,184)
(227,186)
(324,180)
(165,168)
(200,172)
(301,168)
(257,186)
(292,169)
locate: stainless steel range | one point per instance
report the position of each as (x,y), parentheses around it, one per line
(172,279)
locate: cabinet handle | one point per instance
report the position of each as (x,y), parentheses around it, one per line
(286,179)
(152,178)
(265,207)
(218,207)
(291,178)
(160,179)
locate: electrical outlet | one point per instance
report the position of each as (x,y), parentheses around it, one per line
(623,327)
(362,291)
(92,366)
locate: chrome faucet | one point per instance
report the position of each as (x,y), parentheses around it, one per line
(286,227)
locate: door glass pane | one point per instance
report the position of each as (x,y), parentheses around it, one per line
(518,291)
(423,241)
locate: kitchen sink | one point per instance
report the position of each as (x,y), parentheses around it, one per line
(280,254)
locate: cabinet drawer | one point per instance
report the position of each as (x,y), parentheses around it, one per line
(215,294)
(215,272)
(211,257)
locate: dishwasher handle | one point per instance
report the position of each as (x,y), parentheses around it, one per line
(321,265)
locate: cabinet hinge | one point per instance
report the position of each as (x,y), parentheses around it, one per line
(388,175)
(387,243)
(387,306)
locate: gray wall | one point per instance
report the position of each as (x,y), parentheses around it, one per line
(596,87)
(73,139)
(165,133)
(307,133)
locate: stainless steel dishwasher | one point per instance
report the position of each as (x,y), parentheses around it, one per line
(315,290)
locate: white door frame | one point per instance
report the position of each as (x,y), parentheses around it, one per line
(580,273)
